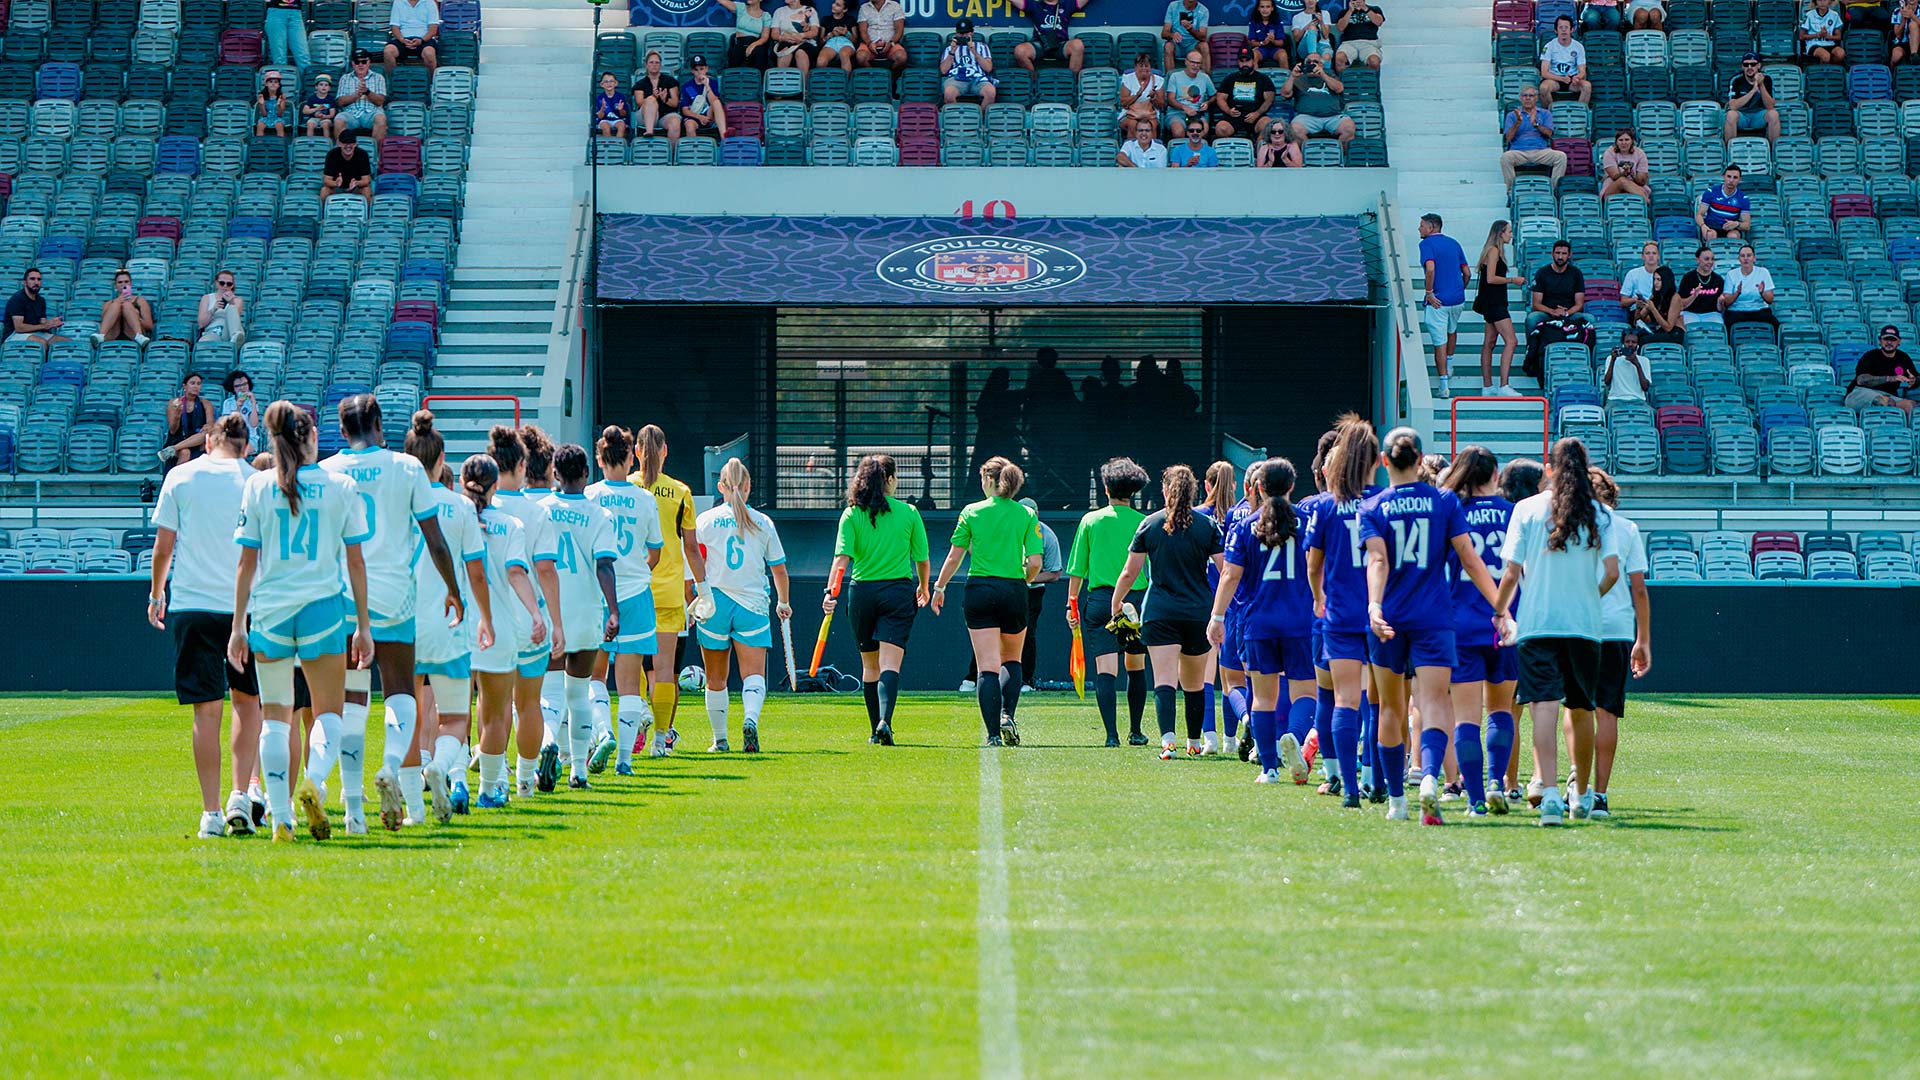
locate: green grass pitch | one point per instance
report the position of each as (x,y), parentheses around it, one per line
(1058,909)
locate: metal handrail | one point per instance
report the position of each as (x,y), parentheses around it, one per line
(1546,420)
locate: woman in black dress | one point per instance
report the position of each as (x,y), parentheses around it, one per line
(1490,303)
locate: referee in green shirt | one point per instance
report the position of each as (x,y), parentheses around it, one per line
(1099,552)
(1004,539)
(885,542)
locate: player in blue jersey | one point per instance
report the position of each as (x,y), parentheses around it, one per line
(1321,739)
(1483,669)
(1266,571)
(1411,530)
(1227,681)
(1337,573)
(580,545)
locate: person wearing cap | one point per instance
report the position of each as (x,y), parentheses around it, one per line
(413,27)
(1750,104)
(1316,102)
(1241,101)
(967,66)
(1563,64)
(882,22)
(272,108)
(362,100)
(1724,210)
(1883,376)
(1142,151)
(700,107)
(1194,153)
(1183,29)
(286,30)
(318,111)
(347,171)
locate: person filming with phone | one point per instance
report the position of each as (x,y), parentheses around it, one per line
(221,315)
(126,316)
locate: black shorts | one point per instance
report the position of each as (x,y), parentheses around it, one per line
(411,52)
(302,697)
(1096,609)
(1048,47)
(200,668)
(1559,669)
(996,603)
(1610,691)
(1243,127)
(883,611)
(1189,634)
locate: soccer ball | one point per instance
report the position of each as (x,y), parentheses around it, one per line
(693,678)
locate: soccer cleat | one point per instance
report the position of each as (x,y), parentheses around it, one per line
(259,806)
(673,738)
(883,735)
(1137,739)
(313,807)
(1350,801)
(1243,742)
(1378,795)
(966,686)
(646,729)
(492,800)
(1430,801)
(1534,790)
(1582,806)
(1268,776)
(1291,757)
(282,834)
(1513,794)
(1552,811)
(750,738)
(578,783)
(1332,786)
(1310,750)
(874,738)
(437,787)
(1477,810)
(212,826)
(1167,752)
(1194,749)
(1396,808)
(1600,805)
(623,769)
(1113,740)
(1452,791)
(1497,800)
(525,790)
(1009,730)
(393,805)
(603,748)
(1211,745)
(658,748)
(547,774)
(719,746)
(458,796)
(239,815)
(356,824)
(995,740)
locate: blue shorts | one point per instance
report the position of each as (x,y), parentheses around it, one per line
(636,627)
(1319,648)
(975,87)
(837,41)
(533,664)
(1233,652)
(1344,645)
(732,621)
(389,628)
(1751,121)
(1410,649)
(321,628)
(1291,657)
(461,668)
(1486,663)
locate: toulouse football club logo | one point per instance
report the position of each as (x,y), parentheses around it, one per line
(981,266)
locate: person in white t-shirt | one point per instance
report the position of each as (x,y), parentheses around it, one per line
(1820,34)
(1626,374)
(581,546)
(638,543)
(1143,93)
(192,596)
(1561,543)
(1563,65)
(742,549)
(1748,295)
(1626,640)
(1142,151)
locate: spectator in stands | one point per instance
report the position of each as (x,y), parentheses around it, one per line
(839,37)
(27,312)
(1050,38)
(1183,30)
(1906,31)
(752,42)
(881,24)
(1601,15)
(1750,105)
(286,31)
(414,27)
(1490,303)
(1624,372)
(1563,65)
(1143,93)
(1194,153)
(1868,14)
(1625,167)
(1749,294)
(1269,33)
(1820,34)
(1559,289)
(272,108)
(796,35)
(657,96)
(362,100)
(1244,99)
(1530,139)
(1447,274)
(700,101)
(1647,14)
(346,170)
(1883,375)
(1359,28)
(966,66)
(126,316)
(1698,301)
(610,108)
(221,316)
(187,418)
(1190,94)
(1142,151)
(240,400)
(1279,150)
(1316,102)
(1724,210)
(1312,34)
(319,110)
(1647,294)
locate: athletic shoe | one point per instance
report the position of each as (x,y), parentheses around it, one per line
(458,796)
(882,734)
(1268,776)
(1552,811)
(1378,795)
(1452,791)
(1430,801)
(313,806)
(578,783)
(1513,794)
(995,740)
(437,788)
(646,729)
(282,834)
(719,746)
(1210,744)
(1310,750)
(673,738)
(547,774)
(356,824)
(1396,808)
(1477,810)
(239,815)
(658,748)
(492,800)
(1440,387)
(212,826)
(259,806)
(603,748)
(1366,778)
(525,790)
(1113,740)
(1497,800)
(1243,743)
(393,805)
(1009,730)
(750,738)
(1600,805)
(874,739)
(966,686)
(1290,756)
(1534,790)
(1167,752)
(1350,801)
(1194,749)
(1137,739)
(1503,390)
(1583,806)
(1332,786)
(623,769)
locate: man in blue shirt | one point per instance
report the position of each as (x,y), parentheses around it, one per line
(1194,153)
(1447,272)
(1183,30)
(1529,132)
(1724,210)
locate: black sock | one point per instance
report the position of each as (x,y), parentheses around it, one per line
(1196,704)
(1136,699)
(889,692)
(1163,709)
(987,689)
(1103,695)
(1010,686)
(871,691)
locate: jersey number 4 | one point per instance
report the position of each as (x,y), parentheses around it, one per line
(1410,541)
(299,536)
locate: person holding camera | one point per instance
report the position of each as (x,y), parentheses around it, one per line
(241,402)
(1312,34)
(1183,30)
(1359,29)
(967,66)
(221,318)
(1625,166)
(125,317)
(1627,376)
(1241,104)
(1316,102)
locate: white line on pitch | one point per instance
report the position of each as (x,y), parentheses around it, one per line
(999,987)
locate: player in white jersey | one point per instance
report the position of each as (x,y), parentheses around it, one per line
(741,548)
(198,509)
(580,545)
(517,452)
(638,541)
(396,495)
(519,629)
(296,524)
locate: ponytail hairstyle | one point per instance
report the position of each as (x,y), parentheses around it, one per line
(1358,449)
(1474,467)
(1521,479)
(506,449)
(734,481)
(653,453)
(231,431)
(869,488)
(570,463)
(360,419)
(1431,468)
(1123,478)
(1179,487)
(1320,458)
(1220,490)
(615,447)
(1277,522)
(1002,477)
(1604,487)
(1402,449)
(539,456)
(478,477)
(290,426)
(1574,514)
(424,443)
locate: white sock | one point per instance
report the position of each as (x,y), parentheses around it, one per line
(493,771)
(461,756)
(553,702)
(353,758)
(753,695)
(524,770)
(275,763)
(402,713)
(602,709)
(323,746)
(413,788)
(635,709)
(717,711)
(579,722)
(445,751)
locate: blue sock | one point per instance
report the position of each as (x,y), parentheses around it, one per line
(1393,759)
(1372,714)
(1264,721)
(1346,739)
(1369,744)
(1433,751)
(1466,748)
(1239,708)
(1323,723)
(1500,734)
(1206,718)
(1300,718)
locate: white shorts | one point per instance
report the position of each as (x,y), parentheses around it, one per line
(434,642)
(1359,52)
(1441,322)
